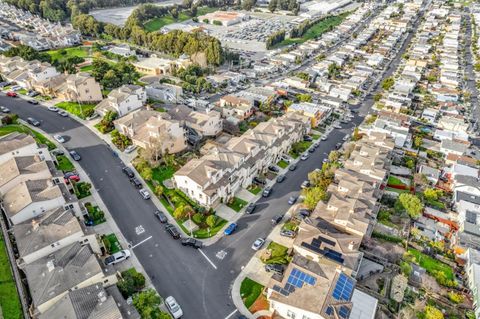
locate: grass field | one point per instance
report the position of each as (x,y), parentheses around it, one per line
(282,164)
(7,129)
(9,299)
(316,30)
(250,290)
(431,264)
(279,254)
(111,242)
(255,189)
(82,52)
(80,110)
(237,204)
(158,23)
(64,164)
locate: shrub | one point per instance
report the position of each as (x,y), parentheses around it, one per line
(455,297)
(132,282)
(198,218)
(147,303)
(211,221)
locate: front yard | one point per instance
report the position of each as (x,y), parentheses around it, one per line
(250,290)
(96,215)
(298,148)
(111,243)
(81,110)
(237,204)
(276,254)
(282,164)
(254,189)
(82,189)
(64,164)
(7,129)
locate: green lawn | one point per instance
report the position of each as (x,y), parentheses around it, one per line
(82,52)
(80,110)
(399,191)
(22,91)
(282,164)
(204,233)
(95,213)
(158,23)
(315,136)
(86,68)
(162,173)
(431,264)
(64,164)
(392,180)
(82,189)
(254,189)
(111,243)
(7,129)
(279,254)
(9,300)
(237,204)
(298,148)
(250,290)
(316,30)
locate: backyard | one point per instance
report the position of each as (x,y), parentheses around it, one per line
(62,54)
(158,23)
(431,264)
(7,129)
(81,110)
(64,164)
(9,299)
(250,290)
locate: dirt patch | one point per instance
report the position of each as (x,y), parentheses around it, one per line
(260,304)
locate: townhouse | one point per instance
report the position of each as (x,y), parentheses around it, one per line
(216,176)
(238,107)
(200,124)
(316,112)
(19,144)
(123,100)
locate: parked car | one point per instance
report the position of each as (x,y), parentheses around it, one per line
(277,219)
(304,156)
(305,184)
(63,113)
(273,169)
(267,191)
(276,268)
(257,244)
(117,257)
(130,149)
(292,167)
(136,182)
(145,194)
(59,138)
(307,138)
(304,212)
(128,171)
(346,137)
(280,178)
(173,307)
(58,152)
(230,229)
(250,208)
(286,159)
(32,121)
(324,138)
(53,108)
(161,216)
(311,149)
(338,145)
(71,176)
(4,109)
(172,230)
(292,200)
(288,233)
(258,181)
(75,155)
(12,94)
(34,102)
(316,145)
(337,126)
(192,242)
(33,93)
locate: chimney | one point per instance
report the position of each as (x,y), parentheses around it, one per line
(50,265)
(34,224)
(102,297)
(350,245)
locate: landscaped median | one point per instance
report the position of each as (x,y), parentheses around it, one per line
(82,110)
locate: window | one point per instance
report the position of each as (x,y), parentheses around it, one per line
(290,314)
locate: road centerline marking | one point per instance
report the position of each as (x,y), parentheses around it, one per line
(208,259)
(141,242)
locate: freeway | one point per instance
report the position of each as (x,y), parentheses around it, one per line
(199,280)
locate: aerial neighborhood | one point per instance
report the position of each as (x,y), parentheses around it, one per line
(289,159)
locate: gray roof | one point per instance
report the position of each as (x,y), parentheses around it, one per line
(91,302)
(13,141)
(454,146)
(55,274)
(467,197)
(467,180)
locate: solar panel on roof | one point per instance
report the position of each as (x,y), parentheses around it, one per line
(343,312)
(326,241)
(344,288)
(329,311)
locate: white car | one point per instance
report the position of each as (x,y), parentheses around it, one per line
(346,137)
(53,108)
(324,138)
(117,257)
(304,156)
(130,149)
(173,307)
(257,244)
(145,194)
(59,138)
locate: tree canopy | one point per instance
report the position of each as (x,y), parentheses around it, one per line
(411,204)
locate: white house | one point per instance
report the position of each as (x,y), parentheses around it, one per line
(123,100)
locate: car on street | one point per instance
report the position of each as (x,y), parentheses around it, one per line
(257,244)
(277,219)
(145,194)
(346,137)
(258,181)
(338,145)
(59,138)
(316,145)
(267,191)
(12,94)
(192,242)
(311,149)
(136,182)
(117,257)
(280,178)
(324,138)
(250,208)
(75,155)
(4,109)
(276,268)
(32,121)
(63,113)
(292,167)
(130,149)
(337,126)
(172,231)
(307,138)
(305,184)
(173,307)
(161,216)
(304,156)
(273,169)
(230,229)
(292,200)
(53,108)
(34,102)
(288,233)
(128,171)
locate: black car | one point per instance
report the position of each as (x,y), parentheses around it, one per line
(274,268)
(192,243)
(273,169)
(161,216)
(292,167)
(75,155)
(280,178)
(172,230)
(33,121)
(259,181)
(34,102)
(135,182)
(304,212)
(250,208)
(128,171)
(338,145)
(277,219)
(311,149)
(307,138)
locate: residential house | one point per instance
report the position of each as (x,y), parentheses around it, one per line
(432,174)
(73,267)
(453,147)
(239,107)
(316,112)
(164,92)
(161,66)
(20,144)
(473,278)
(369,160)
(202,124)
(49,232)
(122,50)
(123,100)
(80,88)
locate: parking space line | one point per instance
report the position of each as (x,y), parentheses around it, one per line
(231,314)
(142,242)
(208,259)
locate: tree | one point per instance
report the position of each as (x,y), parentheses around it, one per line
(333,71)
(406,268)
(147,304)
(333,156)
(432,313)
(356,134)
(417,142)
(158,190)
(409,203)
(431,194)
(304,97)
(146,173)
(388,83)
(313,195)
(182,212)
(211,221)
(272,5)
(377,97)
(248,4)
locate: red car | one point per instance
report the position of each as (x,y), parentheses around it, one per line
(12,94)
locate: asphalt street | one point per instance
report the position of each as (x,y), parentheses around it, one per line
(199,280)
